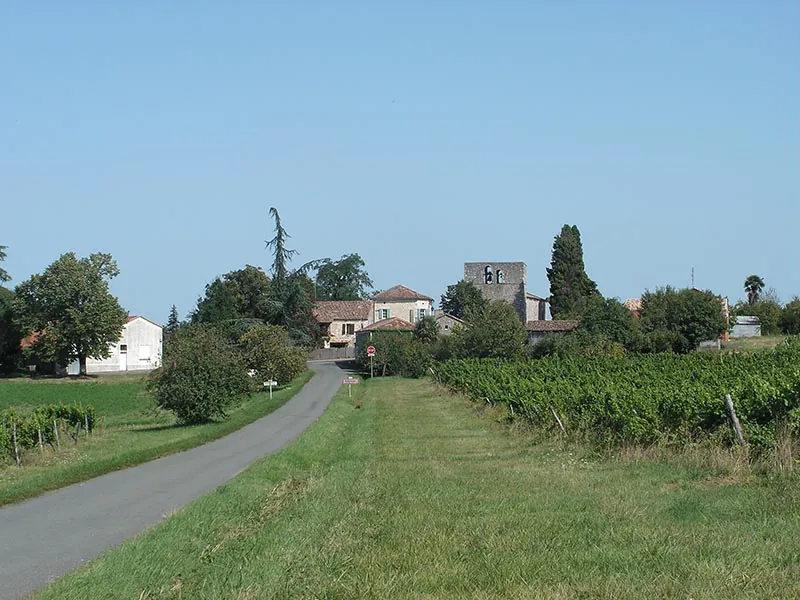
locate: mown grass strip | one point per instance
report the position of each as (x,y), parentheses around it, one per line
(414,496)
(133,434)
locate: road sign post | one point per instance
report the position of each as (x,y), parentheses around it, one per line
(270,383)
(371,354)
(350,382)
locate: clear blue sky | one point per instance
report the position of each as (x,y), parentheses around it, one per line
(418,134)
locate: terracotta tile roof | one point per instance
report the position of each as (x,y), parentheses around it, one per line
(551,325)
(633,304)
(400,292)
(392,323)
(134,317)
(329,311)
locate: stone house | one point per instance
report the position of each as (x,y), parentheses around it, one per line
(402,303)
(446,322)
(538,330)
(341,320)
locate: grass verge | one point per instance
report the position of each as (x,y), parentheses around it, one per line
(404,492)
(130,430)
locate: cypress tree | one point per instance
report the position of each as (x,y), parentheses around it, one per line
(570,286)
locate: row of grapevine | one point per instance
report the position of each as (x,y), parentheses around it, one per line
(643,399)
(23,431)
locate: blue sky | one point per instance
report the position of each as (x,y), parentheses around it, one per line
(418,134)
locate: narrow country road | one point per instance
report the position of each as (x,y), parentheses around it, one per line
(48,536)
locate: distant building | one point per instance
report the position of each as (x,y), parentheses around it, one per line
(507,281)
(341,320)
(538,330)
(746,326)
(446,322)
(139,348)
(403,303)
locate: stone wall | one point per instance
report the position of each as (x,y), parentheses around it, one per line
(500,281)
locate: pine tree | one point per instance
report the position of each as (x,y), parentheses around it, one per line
(173,322)
(570,286)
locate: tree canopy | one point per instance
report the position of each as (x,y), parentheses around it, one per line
(10,335)
(4,276)
(240,294)
(343,279)
(463,300)
(679,320)
(570,286)
(70,309)
(752,287)
(173,322)
(497,333)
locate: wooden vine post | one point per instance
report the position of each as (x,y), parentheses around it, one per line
(16,447)
(555,414)
(737,426)
(86,422)
(41,445)
(55,431)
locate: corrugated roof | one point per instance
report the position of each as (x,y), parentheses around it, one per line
(551,325)
(328,311)
(394,323)
(400,292)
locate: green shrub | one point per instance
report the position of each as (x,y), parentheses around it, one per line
(201,377)
(269,352)
(396,353)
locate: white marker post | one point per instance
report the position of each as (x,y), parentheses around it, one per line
(270,383)
(350,382)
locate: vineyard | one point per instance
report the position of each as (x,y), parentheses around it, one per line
(646,399)
(46,425)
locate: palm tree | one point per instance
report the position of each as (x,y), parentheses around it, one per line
(752,287)
(3,275)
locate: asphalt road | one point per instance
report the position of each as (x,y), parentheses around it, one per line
(48,536)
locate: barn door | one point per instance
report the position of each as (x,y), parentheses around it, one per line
(123,357)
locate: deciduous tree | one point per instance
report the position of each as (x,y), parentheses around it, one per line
(71,310)
(681,319)
(343,279)
(463,300)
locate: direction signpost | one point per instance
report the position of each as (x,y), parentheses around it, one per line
(371,354)
(270,383)
(350,382)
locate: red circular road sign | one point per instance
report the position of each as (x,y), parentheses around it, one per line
(371,351)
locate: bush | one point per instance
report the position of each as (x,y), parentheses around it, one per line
(201,377)
(396,353)
(268,350)
(682,318)
(790,317)
(496,333)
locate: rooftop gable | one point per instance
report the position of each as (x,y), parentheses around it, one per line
(400,292)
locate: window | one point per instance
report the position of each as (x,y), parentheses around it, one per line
(351,329)
(487,275)
(123,348)
(421,314)
(344,329)
(383,313)
(500,276)
(144,353)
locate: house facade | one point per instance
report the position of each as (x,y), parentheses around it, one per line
(539,330)
(139,348)
(446,322)
(402,303)
(340,321)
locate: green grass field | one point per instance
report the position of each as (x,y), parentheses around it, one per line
(129,431)
(769,342)
(405,492)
